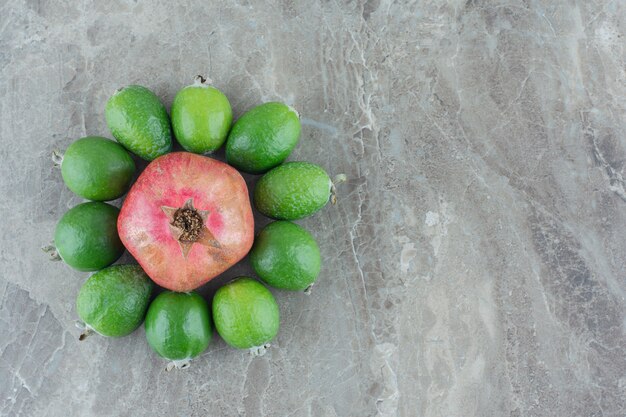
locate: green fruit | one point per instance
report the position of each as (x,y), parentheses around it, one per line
(97,168)
(86,236)
(245,313)
(139,121)
(113,302)
(292,191)
(286,256)
(201,117)
(263,138)
(178,325)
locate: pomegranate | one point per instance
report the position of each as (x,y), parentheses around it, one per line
(187,219)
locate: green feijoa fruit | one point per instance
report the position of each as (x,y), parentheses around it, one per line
(201,117)
(178,325)
(263,138)
(97,168)
(86,236)
(139,121)
(292,191)
(286,256)
(113,301)
(246,314)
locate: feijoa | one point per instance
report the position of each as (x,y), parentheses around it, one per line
(292,191)
(86,236)
(201,117)
(263,138)
(178,326)
(246,315)
(97,168)
(139,121)
(286,256)
(113,301)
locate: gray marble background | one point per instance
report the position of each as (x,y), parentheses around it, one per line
(474,266)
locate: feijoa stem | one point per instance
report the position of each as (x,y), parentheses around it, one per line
(57,158)
(201,81)
(309,289)
(52,251)
(178,364)
(339,178)
(259,350)
(86,333)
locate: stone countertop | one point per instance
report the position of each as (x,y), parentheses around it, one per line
(474,266)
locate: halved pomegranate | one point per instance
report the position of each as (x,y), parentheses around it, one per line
(186,220)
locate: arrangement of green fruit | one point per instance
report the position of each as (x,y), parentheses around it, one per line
(188,218)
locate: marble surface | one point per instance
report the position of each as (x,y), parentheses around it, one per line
(475,264)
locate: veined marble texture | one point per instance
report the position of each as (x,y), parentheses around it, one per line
(475,264)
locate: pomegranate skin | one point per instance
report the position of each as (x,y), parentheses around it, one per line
(182,180)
